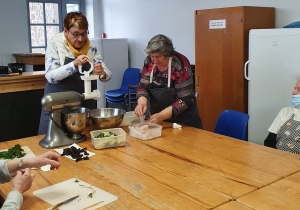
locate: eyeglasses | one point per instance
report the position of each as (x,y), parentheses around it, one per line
(76,35)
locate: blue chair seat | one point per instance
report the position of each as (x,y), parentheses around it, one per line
(233,124)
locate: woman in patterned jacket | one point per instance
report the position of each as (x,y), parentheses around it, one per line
(166,90)
(64,53)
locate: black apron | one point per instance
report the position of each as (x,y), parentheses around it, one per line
(190,117)
(160,98)
(160,95)
(71,83)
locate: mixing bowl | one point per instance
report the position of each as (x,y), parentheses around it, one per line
(74,121)
(104,118)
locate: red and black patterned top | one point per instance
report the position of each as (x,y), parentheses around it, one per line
(181,81)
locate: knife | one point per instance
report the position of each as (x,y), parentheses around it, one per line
(64,202)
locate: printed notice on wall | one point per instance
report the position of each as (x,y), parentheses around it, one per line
(216,24)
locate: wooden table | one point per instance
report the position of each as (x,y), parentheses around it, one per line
(283,194)
(182,169)
(232,205)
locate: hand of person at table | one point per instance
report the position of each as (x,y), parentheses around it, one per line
(141,106)
(161,116)
(156,118)
(99,70)
(81,59)
(22,181)
(49,157)
(140,109)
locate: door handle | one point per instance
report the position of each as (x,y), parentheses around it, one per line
(196,86)
(245,71)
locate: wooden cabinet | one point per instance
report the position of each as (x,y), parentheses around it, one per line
(221,49)
(30,58)
(20,107)
(32,61)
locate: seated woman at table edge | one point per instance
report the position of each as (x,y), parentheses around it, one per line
(284,133)
(175,104)
(19,171)
(65,52)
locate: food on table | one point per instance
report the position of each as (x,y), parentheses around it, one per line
(107,138)
(145,131)
(105,134)
(15,152)
(76,153)
(142,129)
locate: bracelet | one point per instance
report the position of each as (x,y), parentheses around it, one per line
(20,165)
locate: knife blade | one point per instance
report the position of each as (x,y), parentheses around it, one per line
(62,203)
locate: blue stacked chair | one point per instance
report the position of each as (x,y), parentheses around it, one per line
(120,96)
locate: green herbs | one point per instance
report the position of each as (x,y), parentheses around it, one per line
(105,134)
(82,185)
(14,152)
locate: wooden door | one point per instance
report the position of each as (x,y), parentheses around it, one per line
(220,55)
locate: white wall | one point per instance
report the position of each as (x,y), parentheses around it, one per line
(139,20)
(94,16)
(13,29)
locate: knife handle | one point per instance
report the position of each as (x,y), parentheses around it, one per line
(55,206)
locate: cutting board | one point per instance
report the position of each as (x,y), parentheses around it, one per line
(27,150)
(62,191)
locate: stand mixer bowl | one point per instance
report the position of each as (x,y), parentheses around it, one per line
(74,122)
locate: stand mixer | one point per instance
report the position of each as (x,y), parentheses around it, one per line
(67,118)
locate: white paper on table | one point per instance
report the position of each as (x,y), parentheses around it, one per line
(60,151)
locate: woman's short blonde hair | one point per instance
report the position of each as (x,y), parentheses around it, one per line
(161,44)
(76,19)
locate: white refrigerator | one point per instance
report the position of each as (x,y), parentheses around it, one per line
(114,53)
(272,70)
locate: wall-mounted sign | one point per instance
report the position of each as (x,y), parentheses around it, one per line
(216,24)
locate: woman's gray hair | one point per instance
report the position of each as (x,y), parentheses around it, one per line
(161,44)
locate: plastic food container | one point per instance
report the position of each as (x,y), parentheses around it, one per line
(107,142)
(145,131)
(129,119)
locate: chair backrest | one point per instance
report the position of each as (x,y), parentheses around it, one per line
(131,77)
(233,124)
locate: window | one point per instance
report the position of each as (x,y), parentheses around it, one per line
(45,19)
